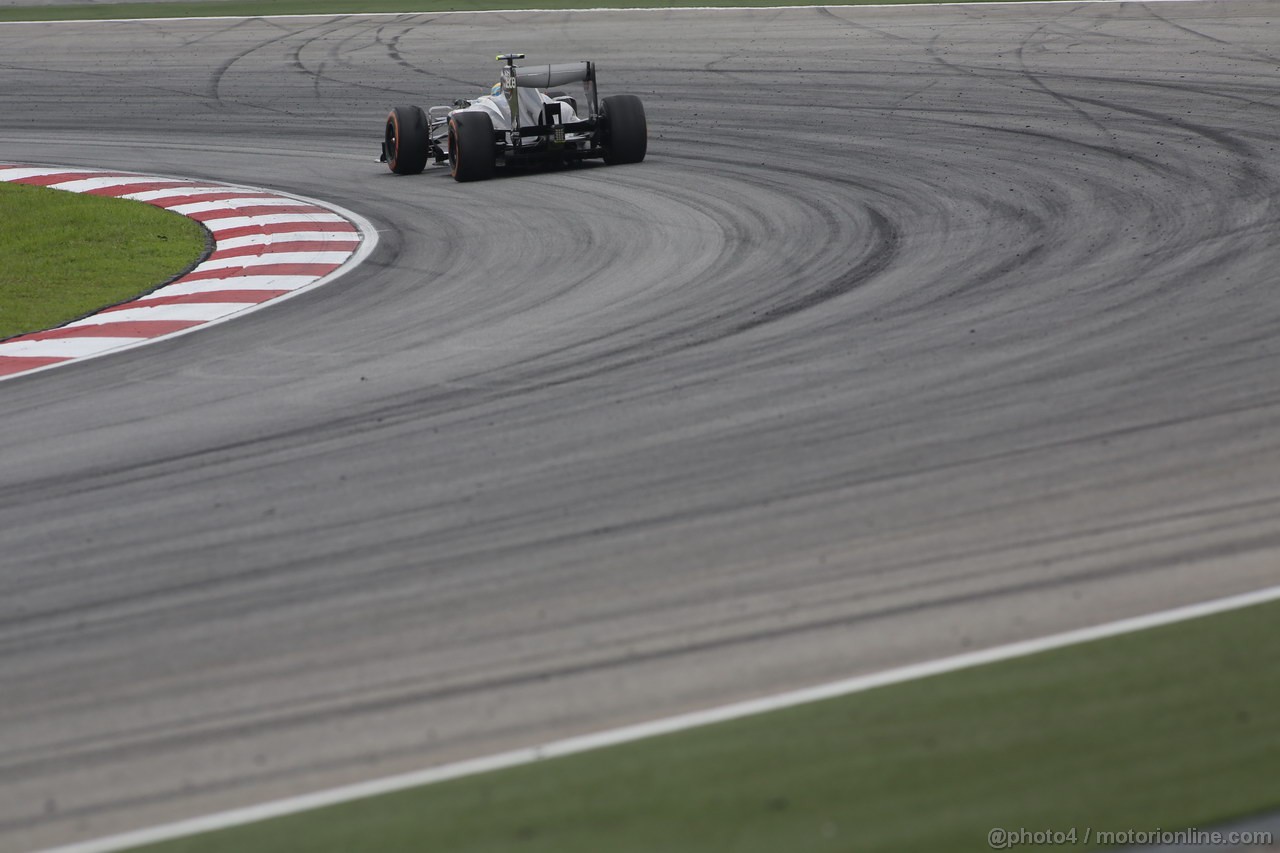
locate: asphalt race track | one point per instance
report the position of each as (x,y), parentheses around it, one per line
(920,330)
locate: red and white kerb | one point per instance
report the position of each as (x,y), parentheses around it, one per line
(266,246)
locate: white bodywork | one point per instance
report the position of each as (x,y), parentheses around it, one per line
(532,102)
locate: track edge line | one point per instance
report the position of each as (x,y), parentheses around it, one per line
(667,725)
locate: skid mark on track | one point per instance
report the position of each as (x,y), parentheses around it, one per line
(1035,80)
(392,45)
(214,86)
(885,240)
(859,27)
(1249,53)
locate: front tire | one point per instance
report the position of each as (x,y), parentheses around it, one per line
(407,140)
(471,148)
(626,134)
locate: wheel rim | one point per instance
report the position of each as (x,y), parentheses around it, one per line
(393,150)
(453,151)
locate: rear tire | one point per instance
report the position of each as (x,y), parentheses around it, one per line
(408,141)
(626,134)
(471,146)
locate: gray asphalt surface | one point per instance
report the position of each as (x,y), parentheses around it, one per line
(920,330)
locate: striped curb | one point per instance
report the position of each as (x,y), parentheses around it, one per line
(267,246)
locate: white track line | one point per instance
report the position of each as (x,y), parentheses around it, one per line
(228,223)
(85,184)
(173,192)
(907,4)
(238,261)
(242,282)
(570,746)
(289,237)
(230,204)
(68,348)
(198,312)
(17,173)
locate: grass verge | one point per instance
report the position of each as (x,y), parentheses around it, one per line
(255,8)
(1168,728)
(64,255)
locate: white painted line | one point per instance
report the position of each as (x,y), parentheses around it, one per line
(237,261)
(66,347)
(570,746)
(229,222)
(230,204)
(241,282)
(17,173)
(289,237)
(85,184)
(177,192)
(194,312)
(437,14)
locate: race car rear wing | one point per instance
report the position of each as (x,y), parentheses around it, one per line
(543,77)
(559,74)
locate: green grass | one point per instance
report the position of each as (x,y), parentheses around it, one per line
(64,255)
(253,8)
(1166,728)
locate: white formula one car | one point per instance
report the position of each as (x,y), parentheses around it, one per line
(519,123)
